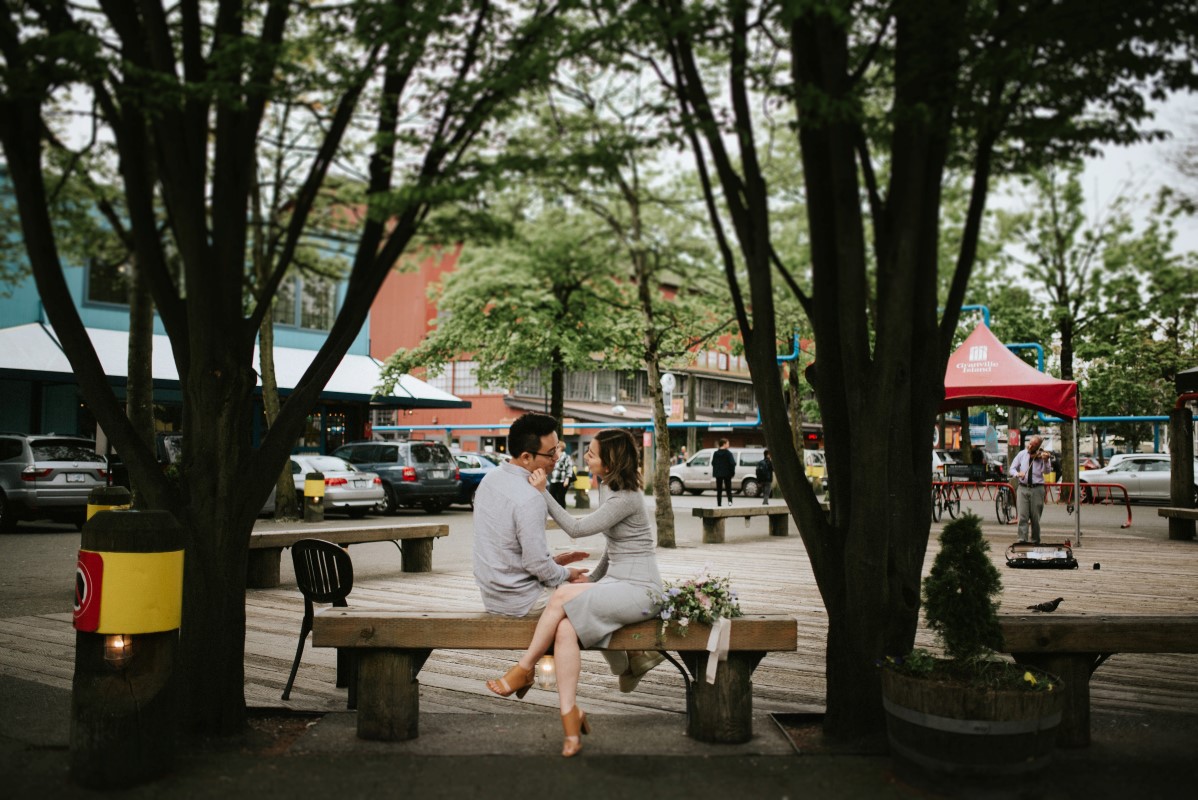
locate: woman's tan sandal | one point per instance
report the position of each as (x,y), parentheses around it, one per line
(574,723)
(516,680)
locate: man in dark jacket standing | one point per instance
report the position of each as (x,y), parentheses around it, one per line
(723,467)
(765,477)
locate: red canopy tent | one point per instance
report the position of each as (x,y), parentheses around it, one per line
(983,371)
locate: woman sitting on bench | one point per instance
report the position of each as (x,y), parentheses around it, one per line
(622,588)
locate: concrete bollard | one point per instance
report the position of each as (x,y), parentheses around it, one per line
(128,607)
(314,497)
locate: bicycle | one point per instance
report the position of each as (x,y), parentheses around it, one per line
(1004,505)
(945,497)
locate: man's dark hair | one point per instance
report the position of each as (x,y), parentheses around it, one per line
(526,432)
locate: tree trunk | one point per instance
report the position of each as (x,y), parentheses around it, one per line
(139,388)
(286,501)
(664,507)
(966,437)
(217,517)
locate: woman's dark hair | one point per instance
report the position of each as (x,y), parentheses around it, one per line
(527,431)
(621,458)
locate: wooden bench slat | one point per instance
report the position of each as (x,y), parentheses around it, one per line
(740,511)
(1174,512)
(1058,633)
(267,540)
(342,627)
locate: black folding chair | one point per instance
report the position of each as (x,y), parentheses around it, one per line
(324,574)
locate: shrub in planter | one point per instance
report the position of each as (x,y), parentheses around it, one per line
(971,713)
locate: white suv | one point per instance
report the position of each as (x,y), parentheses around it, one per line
(47,477)
(694,476)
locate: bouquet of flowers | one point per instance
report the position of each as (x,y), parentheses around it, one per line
(703,598)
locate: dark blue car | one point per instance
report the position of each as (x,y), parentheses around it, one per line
(472,468)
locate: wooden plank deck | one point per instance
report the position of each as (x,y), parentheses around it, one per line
(1141,572)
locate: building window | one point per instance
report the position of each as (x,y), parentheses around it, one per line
(444,381)
(108,283)
(531,384)
(319,303)
(580,386)
(465,380)
(631,387)
(605,387)
(306,301)
(284,303)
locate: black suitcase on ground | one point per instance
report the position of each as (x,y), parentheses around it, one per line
(1046,555)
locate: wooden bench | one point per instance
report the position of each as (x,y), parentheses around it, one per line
(266,547)
(1181,521)
(713,519)
(392,646)
(1072,647)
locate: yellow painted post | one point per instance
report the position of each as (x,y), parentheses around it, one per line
(128,607)
(108,498)
(314,497)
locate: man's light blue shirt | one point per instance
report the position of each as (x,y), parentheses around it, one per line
(512,564)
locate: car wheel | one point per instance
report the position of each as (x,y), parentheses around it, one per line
(750,488)
(391,502)
(1086,495)
(676,486)
(433,506)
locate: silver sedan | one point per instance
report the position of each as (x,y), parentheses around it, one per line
(1145,476)
(346,488)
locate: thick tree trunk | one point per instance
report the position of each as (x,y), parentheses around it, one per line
(217,517)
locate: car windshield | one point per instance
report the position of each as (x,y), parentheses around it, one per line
(64,450)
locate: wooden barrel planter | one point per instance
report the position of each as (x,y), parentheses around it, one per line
(940,730)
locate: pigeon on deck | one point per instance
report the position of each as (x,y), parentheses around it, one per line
(1051,605)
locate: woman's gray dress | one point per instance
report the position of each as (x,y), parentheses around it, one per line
(628,584)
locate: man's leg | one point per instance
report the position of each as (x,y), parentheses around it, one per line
(765,492)
(1023,506)
(1036,501)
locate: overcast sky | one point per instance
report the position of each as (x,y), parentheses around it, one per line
(1145,168)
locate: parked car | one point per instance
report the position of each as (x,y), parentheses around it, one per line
(168,448)
(816,467)
(47,477)
(472,467)
(494,458)
(694,475)
(346,488)
(1146,476)
(993,462)
(415,473)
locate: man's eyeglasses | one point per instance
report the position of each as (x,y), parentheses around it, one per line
(552,455)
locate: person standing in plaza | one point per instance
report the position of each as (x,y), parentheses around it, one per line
(562,477)
(723,467)
(765,477)
(1029,467)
